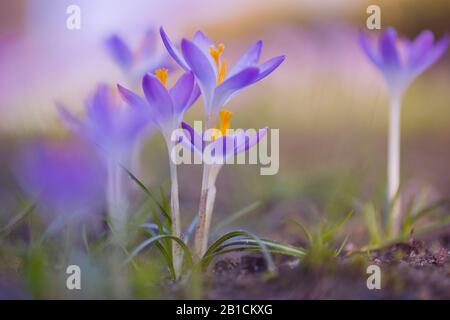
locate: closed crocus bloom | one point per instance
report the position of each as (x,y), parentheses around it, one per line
(109,124)
(165,108)
(224,145)
(114,128)
(217,81)
(135,62)
(400,61)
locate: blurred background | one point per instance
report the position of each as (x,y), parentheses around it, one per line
(328,101)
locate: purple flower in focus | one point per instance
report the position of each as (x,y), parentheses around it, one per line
(401,60)
(111,125)
(223,145)
(216,83)
(65,179)
(147,57)
(164,107)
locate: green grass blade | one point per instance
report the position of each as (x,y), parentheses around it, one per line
(149,193)
(329,233)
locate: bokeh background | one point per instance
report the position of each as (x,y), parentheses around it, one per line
(328,101)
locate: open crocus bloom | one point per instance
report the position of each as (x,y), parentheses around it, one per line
(165,107)
(111,125)
(223,145)
(402,60)
(136,62)
(217,84)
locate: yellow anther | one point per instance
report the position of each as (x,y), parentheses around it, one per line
(225,124)
(222,72)
(162,74)
(220,65)
(225,120)
(216,53)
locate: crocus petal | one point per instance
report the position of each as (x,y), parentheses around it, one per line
(181,92)
(249,59)
(120,51)
(389,50)
(131,98)
(72,122)
(195,139)
(173,51)
(245,142)
(232,85)
(203,42)
(420,46)
(158,98)
(99,107)
(433,54)
(369,49)
(268,67)
(203,71)
(148,43)
(223,148)
(194,95)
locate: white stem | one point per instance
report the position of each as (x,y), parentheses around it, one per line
(210,199)
(116,202)
(394,161)
(201,233)
(177,251)
(200,240)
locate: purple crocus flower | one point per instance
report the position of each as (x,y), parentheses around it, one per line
(401,60)
(146,57)
(164,107)
(111,125)
(115,129)
(65,179)
(224,145)
(216,83)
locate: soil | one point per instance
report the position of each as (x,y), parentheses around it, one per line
(414,270)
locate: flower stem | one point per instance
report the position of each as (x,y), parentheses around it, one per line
(116,202)
(394,162)
(201,236)
(201,233)
(177,251)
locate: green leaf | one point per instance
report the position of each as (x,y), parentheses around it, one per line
(155,240)
(150,194)
(329,233)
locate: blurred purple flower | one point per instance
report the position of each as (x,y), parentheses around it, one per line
(64,178)
(165,107)
(111,125)
(217,85)
(145,58)
(401,60)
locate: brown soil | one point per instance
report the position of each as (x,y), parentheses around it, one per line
(415,270)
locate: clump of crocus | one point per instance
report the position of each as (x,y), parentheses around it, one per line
(136,62)
(113,127)
(218,85)
(224,144)
(166,108)
(400,61)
